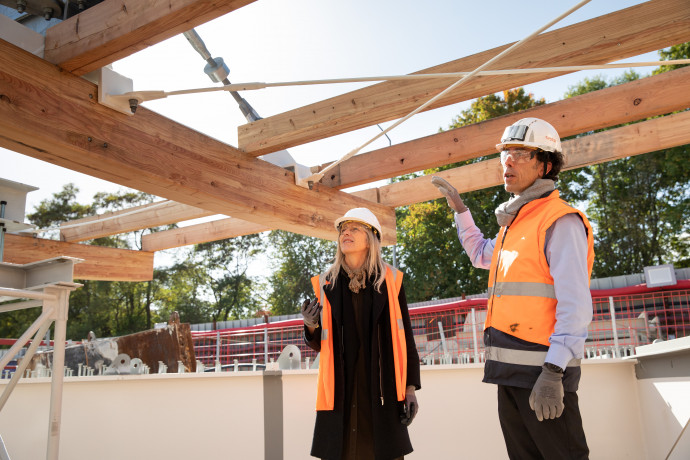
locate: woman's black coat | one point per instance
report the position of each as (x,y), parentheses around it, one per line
(391,439)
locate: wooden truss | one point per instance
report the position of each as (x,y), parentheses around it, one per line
(48,112)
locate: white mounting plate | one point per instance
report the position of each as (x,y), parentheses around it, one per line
(12,226)
(111,83)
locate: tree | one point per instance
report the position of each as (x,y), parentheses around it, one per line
(181,289)
(106,308)
(225,264)
(637,205)
(296,259)
(435,264)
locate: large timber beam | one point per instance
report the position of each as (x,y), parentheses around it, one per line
(636,100)
(651,96)
(53,116)
(636,139)
(128,220)
(115,29)
(104,264)
(642,28)
(199,233)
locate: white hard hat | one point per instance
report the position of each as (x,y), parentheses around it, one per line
(363,216)
(531,132)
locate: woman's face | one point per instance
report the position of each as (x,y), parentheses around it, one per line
(353,239)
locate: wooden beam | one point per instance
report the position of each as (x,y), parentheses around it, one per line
(104,264)
(636,100)
(642,28)
(115,29)
(53,116)
(128,220)
(200,233)
(644,137)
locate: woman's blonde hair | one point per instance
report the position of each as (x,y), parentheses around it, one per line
(373,264)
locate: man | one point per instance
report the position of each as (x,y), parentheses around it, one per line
(539,303)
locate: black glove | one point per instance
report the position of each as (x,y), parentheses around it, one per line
(546,399)
(452,195)
(311,311)
(408,408)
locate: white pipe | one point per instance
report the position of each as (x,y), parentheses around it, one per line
(14,349)
(316,177)
(26,294)
(61,307)
(474,336)
(144,96)
(614,328)
(24,363)
(20,305)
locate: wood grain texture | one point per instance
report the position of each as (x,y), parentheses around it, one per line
(115,29)
(100,263)
(630,32)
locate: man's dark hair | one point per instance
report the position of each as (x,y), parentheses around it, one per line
(556,160)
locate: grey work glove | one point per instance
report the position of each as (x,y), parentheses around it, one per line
(452,195)
(546,399)
(311,311)
(409,407)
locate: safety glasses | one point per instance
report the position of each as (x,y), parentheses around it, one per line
(517,155)
(353,225)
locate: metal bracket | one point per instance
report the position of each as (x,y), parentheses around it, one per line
(110,84)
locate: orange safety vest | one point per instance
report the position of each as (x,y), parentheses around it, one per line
(522,299)
(325,395)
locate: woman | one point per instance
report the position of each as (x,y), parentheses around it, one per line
(368,365)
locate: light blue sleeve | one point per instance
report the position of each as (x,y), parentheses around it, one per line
(479,249)
(566,253)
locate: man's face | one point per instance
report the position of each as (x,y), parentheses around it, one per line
(520,169)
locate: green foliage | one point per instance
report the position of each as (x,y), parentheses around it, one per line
(681,51)
(638,205)
(63,207)
(296,259)
(435,264)
(106,308)
(181,289)
(225,265)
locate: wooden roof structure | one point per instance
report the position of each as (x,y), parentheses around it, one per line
(48,112)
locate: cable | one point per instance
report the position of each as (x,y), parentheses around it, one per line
(317,176)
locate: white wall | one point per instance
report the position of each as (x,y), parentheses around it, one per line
(209,416)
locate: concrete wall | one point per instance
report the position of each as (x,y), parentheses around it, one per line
(209,416)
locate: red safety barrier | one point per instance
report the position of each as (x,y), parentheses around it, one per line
(452,332)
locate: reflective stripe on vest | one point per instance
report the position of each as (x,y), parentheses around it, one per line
(325,395)
(524,289)
(522,357)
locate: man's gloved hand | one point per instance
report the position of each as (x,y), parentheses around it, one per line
(452,195)
(409,407)
(546,399)
(311,311)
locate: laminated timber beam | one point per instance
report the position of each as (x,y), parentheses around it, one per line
(128,220)
(636,139)
(656,95)
(200,233)
(632,101)
(644,137)
(115,29)
(100,263)
(629,32)
(53,116)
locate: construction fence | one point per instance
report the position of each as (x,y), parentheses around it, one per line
(452,333)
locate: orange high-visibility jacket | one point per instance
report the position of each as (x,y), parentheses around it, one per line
(325,395)
(522,299)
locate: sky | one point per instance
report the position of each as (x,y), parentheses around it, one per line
(277,40)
